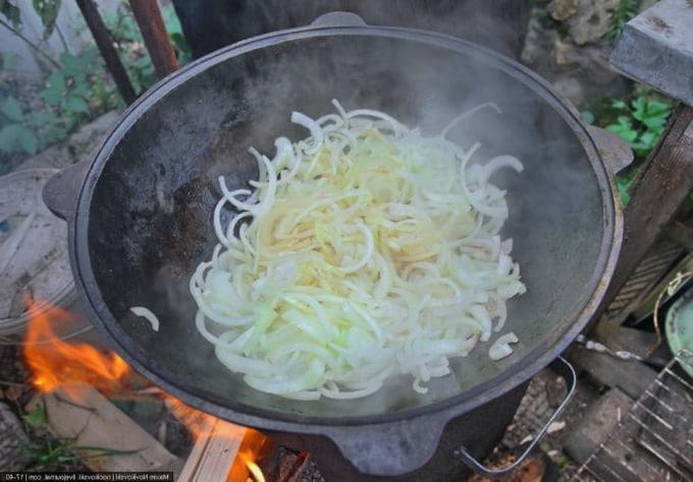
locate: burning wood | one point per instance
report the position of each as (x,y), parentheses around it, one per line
(70,377)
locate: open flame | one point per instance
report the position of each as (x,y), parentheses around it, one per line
(55,363)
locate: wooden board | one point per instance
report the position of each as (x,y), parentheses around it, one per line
(94,421)
(632,377)
(213,454)
(663,183)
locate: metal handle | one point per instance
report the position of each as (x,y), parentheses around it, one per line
(338,19)
(60,192)
(564,369)
(391,449)
(616,153)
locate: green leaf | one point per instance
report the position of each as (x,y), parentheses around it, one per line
(173,26)
(655,123)
(37,417)
(639,107)
(623,128)
(55,89)
(12,109)
(11,13)
(80,89)
(28,141)
(47,10)
(655,107)
(76,104)
(8,137)
(649,139)
(70,63)
(41,117)
(618,104)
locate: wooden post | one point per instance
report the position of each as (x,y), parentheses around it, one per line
(661,187)
(156,39)
(105,44)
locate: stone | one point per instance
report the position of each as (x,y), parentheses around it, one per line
(593,61)
(571,88)
(656,48)
(538,41)
(84,142)
(13,437)
(593,19)
(57,156)
(598,423)
(563,9)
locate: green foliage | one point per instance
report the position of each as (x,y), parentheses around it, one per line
(11,12)
(16,134)
(626,10)
(37,417)
(130,44)
(81,88)
(640,119)
(47,10)
(75,93)
(48,455)
(641,123)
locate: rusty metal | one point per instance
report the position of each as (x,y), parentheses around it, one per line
(148,17)
(105,44)
(653,441)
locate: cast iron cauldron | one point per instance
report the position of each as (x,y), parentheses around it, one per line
(140,217)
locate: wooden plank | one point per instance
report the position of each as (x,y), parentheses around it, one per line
(619,338)
(93,421)
(682,234)
(148,17)
(632,377)
(662,185)
(213,454)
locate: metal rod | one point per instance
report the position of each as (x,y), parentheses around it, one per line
(660,457)
(654,434)
(680,380)
(156,39)
(105,44)
(640,459)
(609,469)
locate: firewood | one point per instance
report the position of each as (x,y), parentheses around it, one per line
(89,419)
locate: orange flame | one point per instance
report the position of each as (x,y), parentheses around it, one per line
(54,363)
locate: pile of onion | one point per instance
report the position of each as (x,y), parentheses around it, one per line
(363,251)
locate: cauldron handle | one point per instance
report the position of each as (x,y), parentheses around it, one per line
(60,192)
(565,370)
(615,152)
(338,19)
